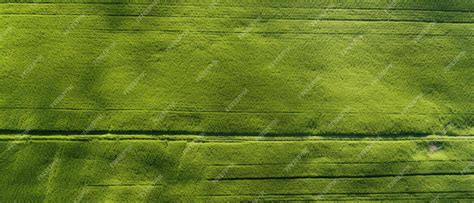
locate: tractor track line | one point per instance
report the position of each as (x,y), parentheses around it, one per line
(339,177)
(385,20)
(144,5)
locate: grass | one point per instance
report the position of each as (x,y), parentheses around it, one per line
(182,67)
(220,100)
(155,168)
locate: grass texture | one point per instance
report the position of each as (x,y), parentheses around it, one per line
(299,67)
(195,168)
(225,100)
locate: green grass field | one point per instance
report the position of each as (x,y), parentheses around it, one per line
(168,168)
(220,100)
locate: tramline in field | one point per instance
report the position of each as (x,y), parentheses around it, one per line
(220,100)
